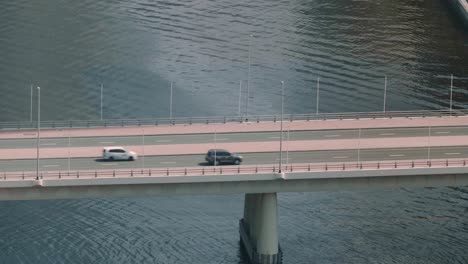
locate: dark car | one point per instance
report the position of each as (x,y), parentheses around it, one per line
(222,157)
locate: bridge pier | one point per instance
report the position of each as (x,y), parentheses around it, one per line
(259,228)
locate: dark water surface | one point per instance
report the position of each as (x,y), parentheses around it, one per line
(136,48)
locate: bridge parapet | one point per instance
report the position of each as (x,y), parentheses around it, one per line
(238,170)
(62,124)
(234,179)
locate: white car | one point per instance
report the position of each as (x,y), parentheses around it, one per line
(118,153)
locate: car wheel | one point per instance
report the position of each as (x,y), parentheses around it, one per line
(111,158)
(236,162)
(130,158)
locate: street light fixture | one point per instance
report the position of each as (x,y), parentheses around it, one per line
(240,97)
(318,92)
(38,129)
(281,127)
(451,89)
(385,94)
(248,80)
(102,88)
(31,105)
(143,150)
(170,104)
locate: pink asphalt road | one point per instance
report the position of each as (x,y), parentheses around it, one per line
(245,147)
(240,127)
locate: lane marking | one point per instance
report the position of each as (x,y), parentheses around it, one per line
(167,162)
(396,155)
(332,135)
(106,142)
(452,153)
(340,157)
(109,164)
(221,139)
(387,134)
(48,144)
(164,140)
(49,166)
(442,132)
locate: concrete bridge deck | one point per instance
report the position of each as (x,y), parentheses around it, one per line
(244,147)
(296,125)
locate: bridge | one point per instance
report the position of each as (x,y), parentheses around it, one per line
(348,151)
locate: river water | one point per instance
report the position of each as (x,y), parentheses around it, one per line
(207,49)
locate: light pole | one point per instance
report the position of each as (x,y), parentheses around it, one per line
(318,92)
(287,149)
(248,80)
(359,147)
(170,104)
(38,129)
(143,150)
(102,88)
(451,89)
(240,97)
(281,128)
(31,105)
(385,94)
(215,150)
(69,145)
(429,144)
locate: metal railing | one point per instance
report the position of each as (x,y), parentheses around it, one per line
(236,170)
(14,125)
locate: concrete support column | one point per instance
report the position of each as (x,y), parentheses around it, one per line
(267,229)
(259,228)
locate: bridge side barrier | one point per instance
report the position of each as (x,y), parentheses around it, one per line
(233,170)
(17,125)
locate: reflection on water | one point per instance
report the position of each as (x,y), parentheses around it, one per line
(137,48)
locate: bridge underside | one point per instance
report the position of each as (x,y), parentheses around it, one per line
(259,227)
(230,184)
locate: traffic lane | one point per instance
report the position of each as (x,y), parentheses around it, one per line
(231,137)
(243,147)
(248,159)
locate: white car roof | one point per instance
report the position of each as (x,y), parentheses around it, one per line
(108,148)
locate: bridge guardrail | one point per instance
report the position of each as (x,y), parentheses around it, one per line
(17,125)
(233,170)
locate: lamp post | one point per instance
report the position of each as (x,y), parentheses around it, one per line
(240,97)
(143,150)
(318,92)
(102,88)
(385,94)
(451,89)
(170,104)
(287,150)
(38,129)
(429,144)
(359,147)
(31,105)
(69,145)
(248,80)
(281,127)
(215,150)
